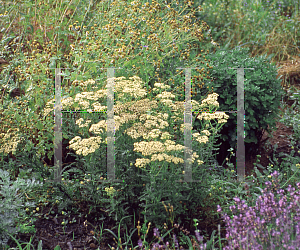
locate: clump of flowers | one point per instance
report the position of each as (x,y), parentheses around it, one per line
(149,125)
(275,224)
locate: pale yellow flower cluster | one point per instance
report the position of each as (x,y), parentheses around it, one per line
(79,98)
(210,100)
(216,115)
(133,87)
(194,156)
(160,86)
(9,141)
(85,146)
(96,128)
(199,138)
(79,123)
(110,190)
(165,157)
(149,127)
(148,148)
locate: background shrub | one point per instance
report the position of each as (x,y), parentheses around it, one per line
(262,93)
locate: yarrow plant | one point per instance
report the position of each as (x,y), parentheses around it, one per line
(160,154)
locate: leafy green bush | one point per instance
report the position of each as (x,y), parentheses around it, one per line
(262,93)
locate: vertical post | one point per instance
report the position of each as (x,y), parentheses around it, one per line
(110,126)
(240,152)
(188,128)
(57,128)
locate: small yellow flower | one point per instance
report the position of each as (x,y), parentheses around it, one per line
(110,190)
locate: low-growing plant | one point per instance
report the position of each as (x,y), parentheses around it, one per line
(273,225)
(39,247)
(10,207)
(225,187)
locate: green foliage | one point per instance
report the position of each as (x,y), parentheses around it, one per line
(293,121)
(11,204)
(25,228)
(262,92)
(140,45)
(232,24)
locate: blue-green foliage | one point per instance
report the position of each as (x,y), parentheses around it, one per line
(11,204)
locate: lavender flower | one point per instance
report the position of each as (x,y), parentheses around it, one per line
(275,220)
